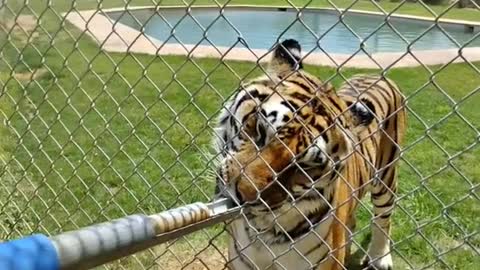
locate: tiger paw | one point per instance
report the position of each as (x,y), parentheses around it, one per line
(383,263)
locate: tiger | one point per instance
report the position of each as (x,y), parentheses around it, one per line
(299,156)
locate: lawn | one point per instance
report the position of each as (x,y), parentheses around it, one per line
(97,136)
(397,7)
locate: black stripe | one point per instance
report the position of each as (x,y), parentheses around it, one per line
(389,202)
(300,96)
(249,95)
(382,191)
(303,226)
(385,215)
(335,104)
(322,258)
(392,155)
(319,128)
(387,91)
(386,100)
(349,91)
(389,100)
(313,249)
(310,80)
(224,120)
(325,137)
(263,136)
(234,98)
(305,87)
(318,109)
(232,146)
(267,83)
(290,105)
(359,86)
(233,123)
(224,137)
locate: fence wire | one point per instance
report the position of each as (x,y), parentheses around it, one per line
(109,108)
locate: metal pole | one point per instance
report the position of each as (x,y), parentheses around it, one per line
(98,244)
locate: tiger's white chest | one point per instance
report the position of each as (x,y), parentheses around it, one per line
(294,255)
(262,249)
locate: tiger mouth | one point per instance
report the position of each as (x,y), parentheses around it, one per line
(278,193)
(292,226)
(314,196)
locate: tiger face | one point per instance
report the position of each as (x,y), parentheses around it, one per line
(294,130)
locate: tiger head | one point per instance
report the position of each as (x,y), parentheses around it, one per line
(291,133)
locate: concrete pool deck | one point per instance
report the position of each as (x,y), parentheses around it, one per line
(116,37)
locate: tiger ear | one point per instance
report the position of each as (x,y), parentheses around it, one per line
(362,113)
(287,57)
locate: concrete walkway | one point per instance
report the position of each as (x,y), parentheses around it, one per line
(116,37)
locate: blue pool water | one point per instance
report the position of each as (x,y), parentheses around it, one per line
(260,29)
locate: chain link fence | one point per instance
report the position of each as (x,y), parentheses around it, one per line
(108,108)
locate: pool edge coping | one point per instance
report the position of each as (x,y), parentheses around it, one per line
(121,38)
(358,11)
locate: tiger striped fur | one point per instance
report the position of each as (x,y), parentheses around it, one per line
(300,156)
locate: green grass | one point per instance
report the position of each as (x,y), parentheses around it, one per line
(100,136)
(398,7)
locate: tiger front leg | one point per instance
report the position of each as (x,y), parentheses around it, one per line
(379,256)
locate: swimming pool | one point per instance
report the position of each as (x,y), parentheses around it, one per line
(259,29)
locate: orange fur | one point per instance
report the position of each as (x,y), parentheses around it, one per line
(358,130)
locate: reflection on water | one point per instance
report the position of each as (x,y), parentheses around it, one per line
(259,29)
